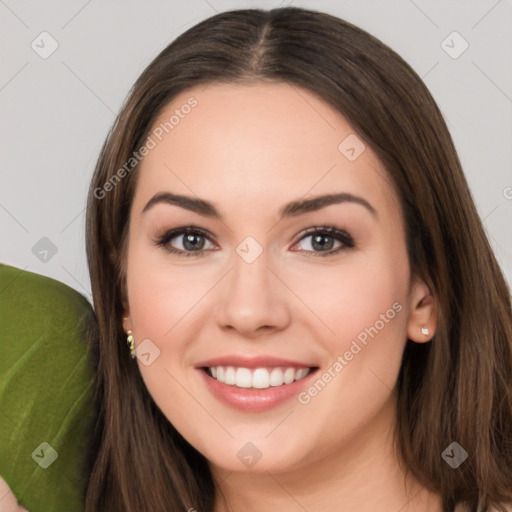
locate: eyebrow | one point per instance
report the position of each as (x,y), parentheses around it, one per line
(291,209)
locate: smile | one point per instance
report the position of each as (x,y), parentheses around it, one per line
(258,378)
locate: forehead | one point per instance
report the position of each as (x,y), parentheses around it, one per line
(251,144)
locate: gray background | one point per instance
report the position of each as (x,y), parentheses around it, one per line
(56,111)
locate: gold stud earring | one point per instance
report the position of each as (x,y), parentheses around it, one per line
(425,331)
(131,343)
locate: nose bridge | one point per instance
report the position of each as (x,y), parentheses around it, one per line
(252,297)
(251,266)
(249,281)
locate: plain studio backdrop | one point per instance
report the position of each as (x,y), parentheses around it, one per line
(68,65)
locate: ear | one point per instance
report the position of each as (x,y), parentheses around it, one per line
(127,322)
(422,314)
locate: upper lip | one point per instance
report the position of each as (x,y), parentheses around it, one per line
(252,362)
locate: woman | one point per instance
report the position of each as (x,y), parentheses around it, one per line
(280,225)
(280,229)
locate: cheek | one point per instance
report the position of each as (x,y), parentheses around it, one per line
(160,293)
(363,303)
(151,301)
(161,299)
(354,294)
(166,301)
(376,321)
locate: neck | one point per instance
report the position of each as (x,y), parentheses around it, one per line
(362,475)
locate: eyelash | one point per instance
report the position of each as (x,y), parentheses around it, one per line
(342,236)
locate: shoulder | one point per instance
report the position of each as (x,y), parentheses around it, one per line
(30,293)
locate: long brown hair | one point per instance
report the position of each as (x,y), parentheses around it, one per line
(457,388)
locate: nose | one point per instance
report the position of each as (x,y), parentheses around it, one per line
(253,300)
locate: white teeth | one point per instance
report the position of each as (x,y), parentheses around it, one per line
(276,377)
(229,376)
(301,373)
(259,378)
(243,378)
(289,375)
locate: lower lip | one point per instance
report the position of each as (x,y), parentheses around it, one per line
(252,399)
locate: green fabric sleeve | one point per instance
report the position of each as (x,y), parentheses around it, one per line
(46,390)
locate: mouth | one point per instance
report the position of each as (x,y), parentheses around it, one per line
(255,383)
(257,378)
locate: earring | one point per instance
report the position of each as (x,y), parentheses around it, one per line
(131,343)
(424,331)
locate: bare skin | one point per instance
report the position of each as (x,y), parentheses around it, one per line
(250,150)
(8,502)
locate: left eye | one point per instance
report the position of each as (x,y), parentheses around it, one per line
(322,241)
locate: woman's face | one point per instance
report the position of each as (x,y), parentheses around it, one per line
(255,292)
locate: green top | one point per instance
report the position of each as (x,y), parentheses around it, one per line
(46,388)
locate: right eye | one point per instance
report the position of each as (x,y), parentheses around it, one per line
(192,241)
